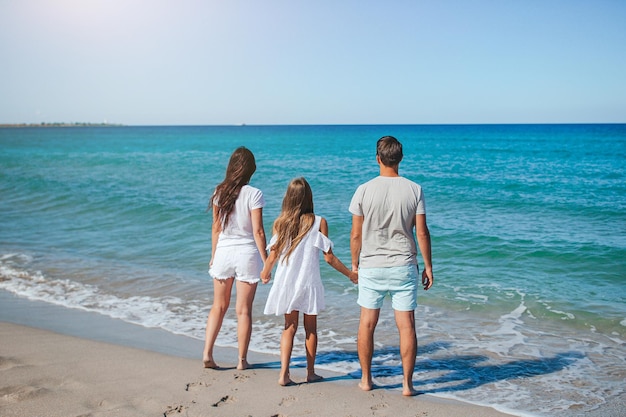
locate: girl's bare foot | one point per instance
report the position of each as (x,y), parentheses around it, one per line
(314,378)
(210,363)
(243,364)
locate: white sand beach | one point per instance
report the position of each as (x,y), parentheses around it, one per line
(48,374)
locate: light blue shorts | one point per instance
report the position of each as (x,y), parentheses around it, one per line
(400,282)
(244,263)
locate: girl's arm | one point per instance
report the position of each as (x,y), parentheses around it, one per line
(258,232)
(270,261)
(333,261)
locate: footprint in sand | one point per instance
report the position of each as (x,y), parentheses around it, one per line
(226,399)
(191,386)
(287,401)
(20,393)
(8,363)
(174,409)
(241,377)
(379,406)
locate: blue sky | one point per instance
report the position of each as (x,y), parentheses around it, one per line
(205,62)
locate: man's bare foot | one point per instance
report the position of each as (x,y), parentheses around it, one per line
(243,364)
(210,363)
(366,386)
(314,377)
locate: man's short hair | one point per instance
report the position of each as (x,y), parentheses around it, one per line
(389,150)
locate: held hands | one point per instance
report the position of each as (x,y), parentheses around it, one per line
(427,278)
(354,277)
(266,276)
(268,265)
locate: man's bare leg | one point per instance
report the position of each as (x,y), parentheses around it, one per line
(405,320)
(365,345)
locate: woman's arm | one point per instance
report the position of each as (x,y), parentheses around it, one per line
(258,232)
(270,261)
(216,228)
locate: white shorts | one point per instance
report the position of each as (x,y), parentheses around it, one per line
(244,263)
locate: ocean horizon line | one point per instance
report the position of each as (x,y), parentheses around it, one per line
(107,124)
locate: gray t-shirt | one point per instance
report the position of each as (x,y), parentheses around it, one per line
(388,206)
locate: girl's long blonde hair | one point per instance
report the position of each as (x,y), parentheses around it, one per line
(296,217)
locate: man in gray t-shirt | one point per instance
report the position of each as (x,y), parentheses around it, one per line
(385,213)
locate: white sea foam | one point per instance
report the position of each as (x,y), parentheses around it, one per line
(501,361)
(142,310)
(508,335)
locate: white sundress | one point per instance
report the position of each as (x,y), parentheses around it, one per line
(298,283)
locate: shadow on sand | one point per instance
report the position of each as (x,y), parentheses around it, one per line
(453,373)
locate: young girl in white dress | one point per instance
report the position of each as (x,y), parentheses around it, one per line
(298,237)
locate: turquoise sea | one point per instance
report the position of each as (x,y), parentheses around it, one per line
(528,223)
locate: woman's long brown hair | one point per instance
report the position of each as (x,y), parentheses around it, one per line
(296,217)
(238,173)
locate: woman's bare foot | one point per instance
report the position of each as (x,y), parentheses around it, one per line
(409,392)
(210,363)
(286,382)
(366,386)
(314,377)
(243,364)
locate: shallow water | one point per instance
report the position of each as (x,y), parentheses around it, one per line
(528,227)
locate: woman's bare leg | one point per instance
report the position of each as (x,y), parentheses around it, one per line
(310,328)
(286,347)
(221,300)
(245,298)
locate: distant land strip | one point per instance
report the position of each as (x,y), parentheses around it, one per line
(59,124)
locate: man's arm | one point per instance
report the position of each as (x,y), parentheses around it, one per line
(356,240)
(423,240)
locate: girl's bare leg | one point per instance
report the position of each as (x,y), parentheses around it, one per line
(286,347)
(310,328)
(221,300)
(245,297)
